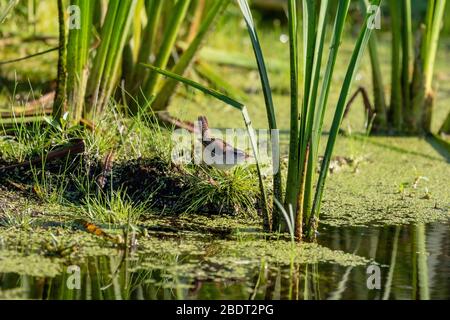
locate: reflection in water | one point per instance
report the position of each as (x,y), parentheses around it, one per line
(414,263)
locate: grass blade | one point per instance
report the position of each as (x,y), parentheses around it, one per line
(170,37)
(270,109)
(9,8)
(396,107)
(340,109)
(293,167)
(166,92)
(380,122)
(60,97)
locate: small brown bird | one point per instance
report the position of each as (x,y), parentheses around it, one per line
(217,153)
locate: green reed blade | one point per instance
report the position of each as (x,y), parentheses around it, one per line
(166,92)
(270,109)
(77,59)
(96,72)
(338,30)
(293,167)
(9,8)
(307,159)
(396,107)
(380,121)
(170,36)
(153,8)
(214,93)
(209,73)
(433,42)
(60,96)
(123,23)
(309,59)
(340,109)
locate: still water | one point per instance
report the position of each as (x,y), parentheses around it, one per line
(409,262)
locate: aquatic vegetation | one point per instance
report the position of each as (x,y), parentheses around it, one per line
(412,97)
(307,120)
(224,191)
(86,85)
(390,188)
(114,208)
(33,265)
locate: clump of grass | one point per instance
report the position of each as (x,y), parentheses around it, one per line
(48,187)
(21,219)
(211,190)
(129,138)
(23,141)
(113,208)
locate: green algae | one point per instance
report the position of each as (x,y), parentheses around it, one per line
(404,181)
(13,294)
(284,253)
(31,265)
(44,252)
(232,260)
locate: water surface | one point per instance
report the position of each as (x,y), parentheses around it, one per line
(413,261)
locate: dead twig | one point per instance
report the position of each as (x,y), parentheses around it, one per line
(77,147)
(166,118)
(366,100)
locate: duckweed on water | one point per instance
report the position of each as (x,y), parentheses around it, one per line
(405,181)
(192,256)
(233,259)
(31,265)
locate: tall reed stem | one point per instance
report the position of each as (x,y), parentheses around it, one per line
(60,97)
(294,147)
(357,55)
(170,36)
(406,32)
(270,111)
(77,58)
(396,107)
